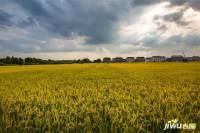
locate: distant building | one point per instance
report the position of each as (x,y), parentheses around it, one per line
(130,59)
(158,59)
(176,58)
(189,58)
(196,58)
(118,59)
(193,58)
(140,59)
(106,59)
(149,59)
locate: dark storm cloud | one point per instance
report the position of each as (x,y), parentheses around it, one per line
(32,6)
(5,19)
(145,2)
(27,22)
(8,20)
(91,19)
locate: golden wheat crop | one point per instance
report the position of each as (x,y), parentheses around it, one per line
(98,97)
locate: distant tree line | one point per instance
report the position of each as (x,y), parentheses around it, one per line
(11,60)
(36,61)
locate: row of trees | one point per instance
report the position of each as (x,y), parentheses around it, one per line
(11,60)
(35,61)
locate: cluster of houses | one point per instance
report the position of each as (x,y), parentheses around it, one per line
(174,58)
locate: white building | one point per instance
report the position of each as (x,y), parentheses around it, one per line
(130,59)
(148,59)
(158,59)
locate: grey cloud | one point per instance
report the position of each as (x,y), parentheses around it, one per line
(177,39)
(154,41)
(176,17)
(151,40)
(177,2)
(162,27)
(18,46)
(192,39)
(145,2)
(188,39)
(195,4)
(173,17)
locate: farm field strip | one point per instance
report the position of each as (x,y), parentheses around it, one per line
(138,97)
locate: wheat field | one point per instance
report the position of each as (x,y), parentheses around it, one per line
(126,97)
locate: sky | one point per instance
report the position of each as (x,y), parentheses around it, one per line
(76,29)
